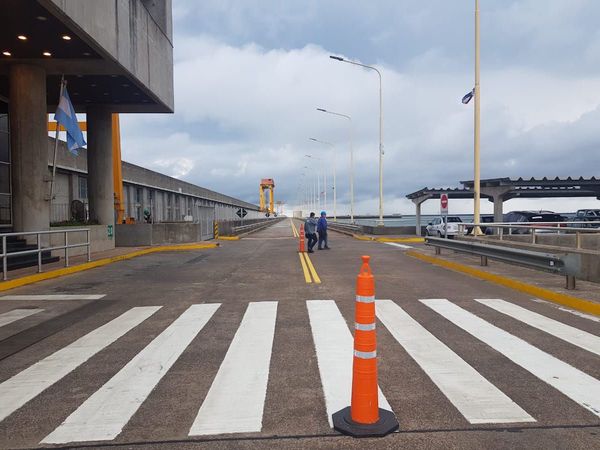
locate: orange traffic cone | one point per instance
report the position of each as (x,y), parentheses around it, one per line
(364,418)
(301,244)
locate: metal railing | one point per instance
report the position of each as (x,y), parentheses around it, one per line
(535,229)
(6,254)
(568,264)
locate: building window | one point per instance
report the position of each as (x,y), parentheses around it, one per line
(83,191)
(138,195)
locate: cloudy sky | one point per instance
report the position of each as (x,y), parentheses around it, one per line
(250,73)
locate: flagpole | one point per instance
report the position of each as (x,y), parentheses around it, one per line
(62,86)
(477,112)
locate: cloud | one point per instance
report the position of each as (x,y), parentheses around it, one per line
(245,107)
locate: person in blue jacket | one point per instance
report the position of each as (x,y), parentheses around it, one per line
(322,230)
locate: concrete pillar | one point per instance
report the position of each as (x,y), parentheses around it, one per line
(418,227)
(100,167)
(29,148)
(498,212)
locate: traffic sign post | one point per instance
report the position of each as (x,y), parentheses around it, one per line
(444,212)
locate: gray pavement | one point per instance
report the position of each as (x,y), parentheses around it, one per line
(292,411)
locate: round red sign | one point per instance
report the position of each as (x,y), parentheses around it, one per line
(444,201)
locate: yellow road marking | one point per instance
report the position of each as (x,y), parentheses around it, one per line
(294,230)
(313,272)
(228,238)
(579,304)
(29,279)
(304,269)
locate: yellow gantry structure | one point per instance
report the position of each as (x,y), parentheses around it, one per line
(267,184)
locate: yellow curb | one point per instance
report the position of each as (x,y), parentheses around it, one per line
(362,238)
(30,279)
(579,304)
(228,238)
(414,240)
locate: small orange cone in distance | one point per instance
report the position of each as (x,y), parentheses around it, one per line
(364,418)
(301,244)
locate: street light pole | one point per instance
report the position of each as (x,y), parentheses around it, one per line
(318,181)
(334,177)
(477,109)
(351,163)
(339,58)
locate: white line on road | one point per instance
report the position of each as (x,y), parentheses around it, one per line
(235,400)
(334,345)
(103,416)
(567,333)
(402,246)
(24,386)
(53,297)
(575,384)
(572,311)
(478,400)
(17,314)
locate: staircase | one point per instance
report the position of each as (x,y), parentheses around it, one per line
(14,244)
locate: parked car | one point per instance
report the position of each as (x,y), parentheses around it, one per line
(437,227)
(585,216)
(484,230)
(542,218)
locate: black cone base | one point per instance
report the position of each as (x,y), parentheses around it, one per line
(387,423)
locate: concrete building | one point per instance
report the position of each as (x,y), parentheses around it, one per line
(116,56)
(167,199)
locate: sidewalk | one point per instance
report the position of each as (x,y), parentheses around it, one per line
(28,275)
(73,261)
(555,283)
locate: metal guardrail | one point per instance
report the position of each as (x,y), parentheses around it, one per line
(5,254)
(563,264)
(241,229)
(535,228)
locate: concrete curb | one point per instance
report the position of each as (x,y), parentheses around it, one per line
(30,279)
(579,304)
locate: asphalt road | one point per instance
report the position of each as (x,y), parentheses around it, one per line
(231,348)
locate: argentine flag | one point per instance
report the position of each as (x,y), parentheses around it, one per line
(467,98)
(65,116)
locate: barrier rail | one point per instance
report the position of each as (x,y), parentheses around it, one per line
(563,264)
(5,254)
(242,229)
(533,228)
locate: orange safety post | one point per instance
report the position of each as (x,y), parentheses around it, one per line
(301,244)
(364,418)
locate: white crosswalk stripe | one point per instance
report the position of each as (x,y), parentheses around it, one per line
(54,297)
(103,415)
(17,314)
(334,347)
(567,333)
(235,401)
(575,384)
(24,386)
(478,400)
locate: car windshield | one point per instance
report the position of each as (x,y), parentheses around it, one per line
(454,219)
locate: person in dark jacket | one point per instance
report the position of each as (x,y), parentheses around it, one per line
(322,230)
(310,231)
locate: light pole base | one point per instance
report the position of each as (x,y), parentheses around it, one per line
(387,423)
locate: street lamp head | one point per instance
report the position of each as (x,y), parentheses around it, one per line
(321,109)
(312,139)
(339,58)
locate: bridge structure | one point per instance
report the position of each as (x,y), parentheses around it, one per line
(499,190)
